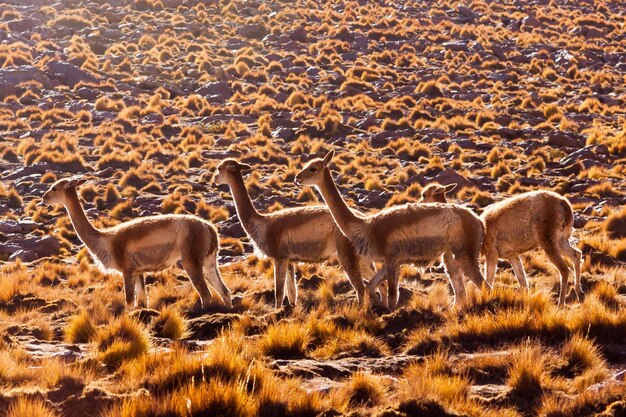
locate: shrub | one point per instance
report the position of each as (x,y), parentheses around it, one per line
(80,329)
(285,340)
(123,339)
(170,324)
(28,407)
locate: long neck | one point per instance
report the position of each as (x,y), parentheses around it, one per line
(245,210)
(344,217)
(90,236)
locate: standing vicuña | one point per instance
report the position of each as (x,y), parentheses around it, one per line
(405,234)
(537,219)
(306,234)
(146,244)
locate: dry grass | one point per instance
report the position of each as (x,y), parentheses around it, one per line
(407,94)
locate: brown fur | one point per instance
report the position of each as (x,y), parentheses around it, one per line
(298,234)
(147,244)
(405,234)
(537,219)
(436,193)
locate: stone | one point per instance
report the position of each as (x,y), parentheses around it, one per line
(560,138)
(11,77)
(252,31)
(68,74)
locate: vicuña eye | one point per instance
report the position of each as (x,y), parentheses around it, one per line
(312,169)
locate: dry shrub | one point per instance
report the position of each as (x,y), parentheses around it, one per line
(80,329)
(527,375)
(361,390)
(285,340)
(615,224)
(29,407)
(170,324)
(121,340)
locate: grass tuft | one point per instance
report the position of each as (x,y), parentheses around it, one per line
(80,329)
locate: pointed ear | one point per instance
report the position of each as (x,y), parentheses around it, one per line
(75,182)
(449,188)
(329,157)
(245,167)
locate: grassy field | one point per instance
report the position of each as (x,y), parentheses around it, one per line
(144,98)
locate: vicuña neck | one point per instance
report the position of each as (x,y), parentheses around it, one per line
(344,217)
(245,210)
(90,236)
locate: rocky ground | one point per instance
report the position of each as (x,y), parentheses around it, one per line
(146,97)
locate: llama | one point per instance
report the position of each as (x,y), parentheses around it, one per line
(536,219)
(405,234)
(298,234)
(146,244)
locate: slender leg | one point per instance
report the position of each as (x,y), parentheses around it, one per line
(491,264)
(561,265)
(280,272)
(351,264)
(518,268)
(456,279)
(575,257)
(292,286)
(471,269)
(393,281)
(140,290)
(193,267)
(129,288)
(216,281)
(375,283)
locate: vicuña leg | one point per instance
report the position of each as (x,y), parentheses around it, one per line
(193,267)
(140,290)
(520,274)
(292,285)
(280,272)
(216,281)
(129,287)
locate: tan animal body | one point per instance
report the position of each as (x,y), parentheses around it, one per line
(537,219)
(298,234)
(405,234)
(147,244)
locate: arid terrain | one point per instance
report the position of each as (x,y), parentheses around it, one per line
(144,98)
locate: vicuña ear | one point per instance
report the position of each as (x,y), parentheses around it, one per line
(449,188)
(245,167)
(76,181)
(329,157)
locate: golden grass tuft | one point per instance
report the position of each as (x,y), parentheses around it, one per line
(527,375)
(80,329)
(362,389)
(615,224)
(170,324)
(121,340)
(285,341)
(30,407)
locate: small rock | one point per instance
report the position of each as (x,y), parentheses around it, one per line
(561,138)
(252,31)
(68,74)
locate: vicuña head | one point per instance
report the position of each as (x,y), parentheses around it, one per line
(436,193)
(227,169)
(313,171)
(146,244)
(58,192)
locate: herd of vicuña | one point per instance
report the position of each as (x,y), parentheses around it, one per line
(418,233)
